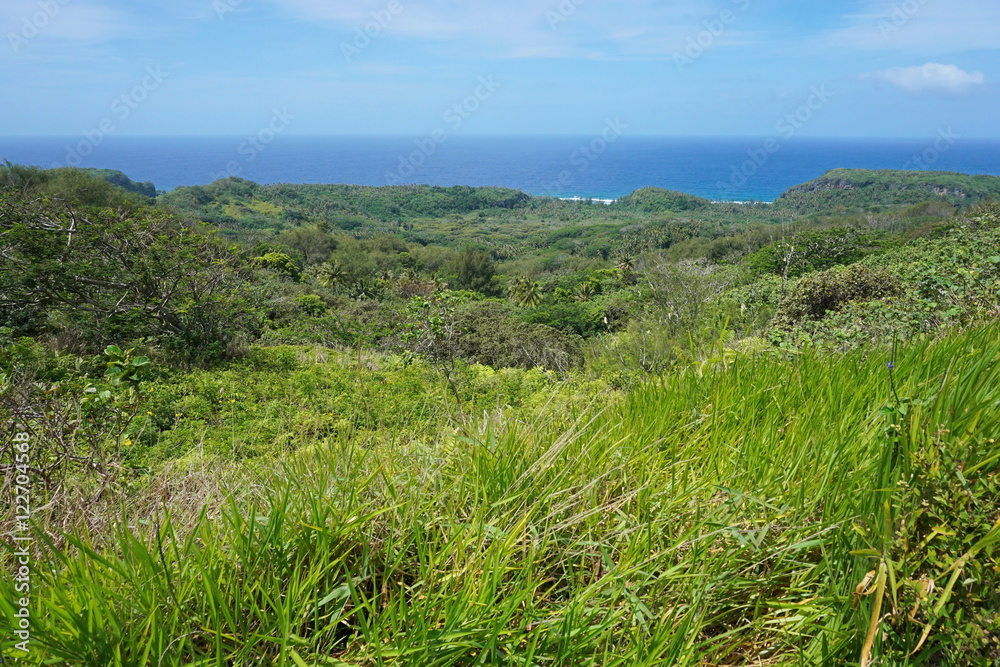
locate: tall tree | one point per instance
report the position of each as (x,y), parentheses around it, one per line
(475,269)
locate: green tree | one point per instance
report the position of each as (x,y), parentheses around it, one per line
(491,334)
(679,294)
(331,274)
(432,330)
(475,271)
(588,290)
(180,284)
(279,262)
(314,244)
(525,292)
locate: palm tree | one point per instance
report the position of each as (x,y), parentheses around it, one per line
(626,268)
(586,291)
(525,292)
(438,284)
(331,274)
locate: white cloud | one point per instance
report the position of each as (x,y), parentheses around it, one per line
(932,77)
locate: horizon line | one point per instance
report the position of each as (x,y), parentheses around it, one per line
(401,135)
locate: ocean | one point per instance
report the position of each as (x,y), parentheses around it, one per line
(604,166)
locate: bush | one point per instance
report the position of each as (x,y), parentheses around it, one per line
(828,291)
(815,250)
(492,335)
(584,319)
(312,304)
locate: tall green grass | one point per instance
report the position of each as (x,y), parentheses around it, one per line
(720,516)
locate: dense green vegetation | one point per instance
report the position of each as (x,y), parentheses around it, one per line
(339,425)
(863,188)
(658,200)
(116,177)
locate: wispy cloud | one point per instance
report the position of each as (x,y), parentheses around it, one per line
(584,29)
(929,78)
(928,27)
(72,21)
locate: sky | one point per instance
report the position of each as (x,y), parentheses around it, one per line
(851,68)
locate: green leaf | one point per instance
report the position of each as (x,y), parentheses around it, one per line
(866,553)
(341,592)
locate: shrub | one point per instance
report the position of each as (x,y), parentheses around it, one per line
(493,336)
(584,319)
(828,291)
(312,304)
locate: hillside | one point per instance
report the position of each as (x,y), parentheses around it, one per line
(234,202)
(119,179)
(496,430)
(862,189)
(658,200)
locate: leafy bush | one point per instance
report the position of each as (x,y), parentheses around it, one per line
(815,250)
(131,262)
(583,319)
(80,418)
(312,304)
(816,295)
(491,334)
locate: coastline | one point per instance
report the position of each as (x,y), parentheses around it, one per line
(540,166)
(606,202)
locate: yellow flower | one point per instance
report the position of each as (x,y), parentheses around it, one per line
(128,442)
(148,412)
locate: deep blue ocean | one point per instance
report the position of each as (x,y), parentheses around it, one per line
(737,169)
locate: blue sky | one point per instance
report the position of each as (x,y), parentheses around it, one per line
(903,68)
